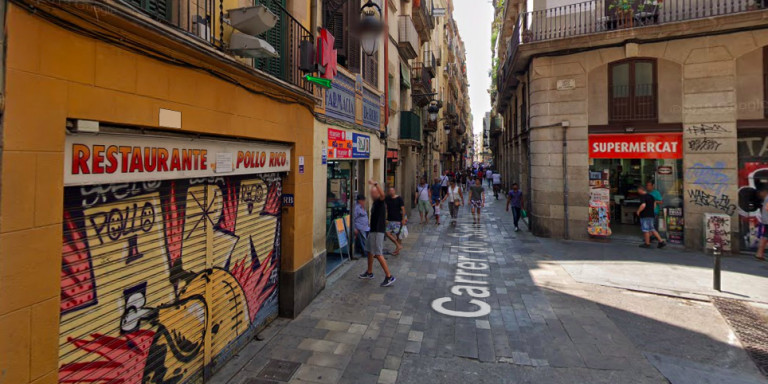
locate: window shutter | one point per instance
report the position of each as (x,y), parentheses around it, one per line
(353,42)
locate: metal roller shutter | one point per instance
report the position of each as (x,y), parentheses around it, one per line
(164,280)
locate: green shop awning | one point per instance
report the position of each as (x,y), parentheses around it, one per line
(405,76)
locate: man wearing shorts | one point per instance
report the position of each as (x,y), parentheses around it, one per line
(376,236)
(762,230)
(395,219)
(476,200)
(647,217)
(423,200)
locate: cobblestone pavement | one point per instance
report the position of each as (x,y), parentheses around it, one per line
(542,325)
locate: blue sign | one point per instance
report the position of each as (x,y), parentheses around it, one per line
(287,200)
(340,100)
(371,110)
(361,146)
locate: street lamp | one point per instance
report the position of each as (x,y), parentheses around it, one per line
(432,110)
(370,27)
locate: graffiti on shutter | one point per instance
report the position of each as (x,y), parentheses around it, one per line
(162,281)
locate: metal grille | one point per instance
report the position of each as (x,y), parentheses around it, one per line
(162,278)
(279,370)
(749,327)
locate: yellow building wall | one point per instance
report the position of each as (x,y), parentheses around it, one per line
(52,75)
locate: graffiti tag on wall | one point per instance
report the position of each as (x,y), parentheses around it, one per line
(704,144)
(712,179)
(155,273)
(706,129)
(704,199)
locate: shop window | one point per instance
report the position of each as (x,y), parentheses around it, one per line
(632,91)
(342,23)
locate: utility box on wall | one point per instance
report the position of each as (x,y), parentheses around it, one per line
(717,232)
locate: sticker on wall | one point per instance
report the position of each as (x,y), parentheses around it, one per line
(301,165)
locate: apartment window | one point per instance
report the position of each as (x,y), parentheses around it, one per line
(342,23)
(371,69)
(632,90)
(160,9)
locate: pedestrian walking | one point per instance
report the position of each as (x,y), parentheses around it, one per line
(476,200)
(762,229)
(444,179)
(361,226)
(455,200)
(423,200)
(396,219)
(436,195)
(496,184)
(515,201)
(645,212)
(656,205)
(375,243)
(489,177)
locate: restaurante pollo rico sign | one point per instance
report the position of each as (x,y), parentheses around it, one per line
(112,158)
(636,146)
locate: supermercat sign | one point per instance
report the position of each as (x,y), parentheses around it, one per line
(117,158)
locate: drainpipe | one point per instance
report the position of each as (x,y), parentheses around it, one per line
(565,125)
(386,64)
(313,17)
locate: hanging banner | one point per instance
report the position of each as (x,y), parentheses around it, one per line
(118,158)
(636,146)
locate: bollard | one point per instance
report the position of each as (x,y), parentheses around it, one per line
(717,253)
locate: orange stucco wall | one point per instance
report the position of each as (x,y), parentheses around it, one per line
(52,75)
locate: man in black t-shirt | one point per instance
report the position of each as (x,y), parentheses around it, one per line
(647,217)
(376,236)
(395,219)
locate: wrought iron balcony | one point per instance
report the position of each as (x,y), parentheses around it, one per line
(421,81)
(408,45)
(204,20)
(598,16)
(422,18)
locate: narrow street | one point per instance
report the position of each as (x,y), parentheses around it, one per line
(543,326)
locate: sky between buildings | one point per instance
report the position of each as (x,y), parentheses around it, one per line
(474,18)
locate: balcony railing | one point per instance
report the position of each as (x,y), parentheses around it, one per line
(430,62)
(599,16)
(204,20)
(421,81)
(422,19)
(408,44)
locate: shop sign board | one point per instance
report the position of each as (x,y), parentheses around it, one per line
(675,225)
(288,200)
(636,146)
(371,109)
(341,232)
(361,148)
(124,158)
(339,146)
(341,99)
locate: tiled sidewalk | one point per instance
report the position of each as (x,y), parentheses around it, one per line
(543,327)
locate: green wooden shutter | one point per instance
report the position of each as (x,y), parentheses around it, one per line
(160,9)
(276,37)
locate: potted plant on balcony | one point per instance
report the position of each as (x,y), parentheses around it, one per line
(625,13)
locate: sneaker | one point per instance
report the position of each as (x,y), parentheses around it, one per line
(662,244)
(388,281)
(517,229)
(645,245)
(365,275)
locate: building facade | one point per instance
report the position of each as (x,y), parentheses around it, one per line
(144,164)
(592,107)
